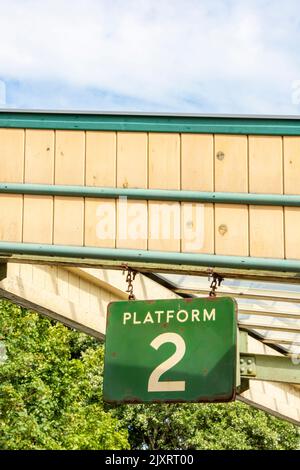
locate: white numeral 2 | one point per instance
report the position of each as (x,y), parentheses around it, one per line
(175,386)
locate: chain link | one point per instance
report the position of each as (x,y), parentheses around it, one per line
(129,279)
(215,283)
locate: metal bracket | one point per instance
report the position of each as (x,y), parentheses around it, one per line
(129,279)
(252,366)
(282,369)
(242,382)
(248,366)
(215,283)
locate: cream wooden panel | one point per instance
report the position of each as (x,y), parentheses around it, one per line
(164,173)
(114,282)
(231,175)
(100,222)
(132,224)
(231,163)
(164,226)
(291,154)
(73,288)
(62,282)
(132,164)
(101,159)
(69,170)
(100,227)
(68,221)
(197,162)
(197,220)
(48,300)
(26,272)
(170,161)
(291,148)
(231,230)
(84,292)
(44,277)
(38,277)
(265,165)
(266,176)
(132,160)
(197,228)
(292,232)
(50,278)
(266,232)
(11,155)
(38,219)
(70,157)
(164,161)
(99,299)
(39,156)
(11,218)
(11,170)
(39,168)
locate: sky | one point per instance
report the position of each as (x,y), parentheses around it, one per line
(172,56)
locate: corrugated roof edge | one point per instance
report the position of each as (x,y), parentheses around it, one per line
(150,122)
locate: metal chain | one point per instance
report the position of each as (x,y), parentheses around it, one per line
(215,283)
(129,279)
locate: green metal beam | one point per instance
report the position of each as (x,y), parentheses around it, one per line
(249,324)
(243,341)
(151,194)
(140,266)
(270,368)
(144,256)
(151,123)
(242,348)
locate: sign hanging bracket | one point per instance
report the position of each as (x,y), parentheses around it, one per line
(129,279)
(215,283)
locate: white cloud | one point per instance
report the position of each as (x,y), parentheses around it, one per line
(222,54)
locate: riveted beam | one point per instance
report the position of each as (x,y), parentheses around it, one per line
(270,368)
(148,267)
(150,256)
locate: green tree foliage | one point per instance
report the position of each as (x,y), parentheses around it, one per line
(51,398)
(51,387)
(206,426)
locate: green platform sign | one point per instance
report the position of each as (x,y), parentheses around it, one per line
(171,351)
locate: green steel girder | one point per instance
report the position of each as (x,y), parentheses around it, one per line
(288,200)
(139,122)
(270,368)
(160,257)
(242,382)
